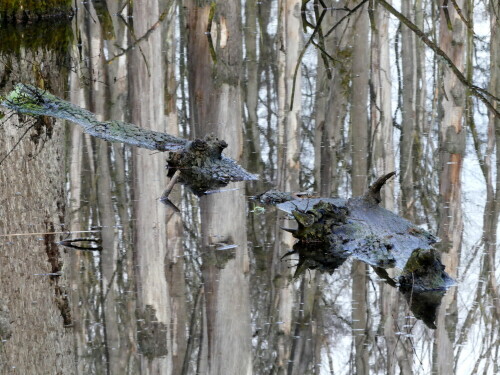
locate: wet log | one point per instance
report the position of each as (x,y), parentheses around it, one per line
(332,229)
(201,162)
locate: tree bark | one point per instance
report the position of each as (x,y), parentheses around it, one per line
(215,99)
(408,123)
(151,248)
(452,148)
(359,178)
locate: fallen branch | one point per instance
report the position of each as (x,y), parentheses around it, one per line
(200,162)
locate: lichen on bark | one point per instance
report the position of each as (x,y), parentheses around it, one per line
(201,162)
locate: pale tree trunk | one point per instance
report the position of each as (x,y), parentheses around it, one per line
(75,160)
(359,171)
(452,148)
(381,109)
(383,162)
(331,108)
(175,248)
(422,124)
(289,42)
(408,123)
(104,93)
(215,96)
(308,336)
(492,207)
(97,96)
(117,89)
(146,88)
(289,37)
(253,151)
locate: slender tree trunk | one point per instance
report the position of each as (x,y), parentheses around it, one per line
(383,162)
(381,109)
(452,147)
(289,37)
(289,113)
(492,207)
(175,233)
(147,109)
(253,151)
(359,176)
(408,124)
(331,108)
(214,84)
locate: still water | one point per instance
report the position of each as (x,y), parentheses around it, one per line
(204,289)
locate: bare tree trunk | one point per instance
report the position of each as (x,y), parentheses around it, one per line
(289,36)
(214,84)
(289,113)
(492,208)
(359,176)
(175,253)
(408,125)
(382,163)
(452,148)
(331,110)
(253,151)
(146,98)
(381,113)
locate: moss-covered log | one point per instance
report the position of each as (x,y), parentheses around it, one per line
(330,230)
(201,162)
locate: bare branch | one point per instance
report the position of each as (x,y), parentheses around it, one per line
(475,90)
(144,37)
(468,23)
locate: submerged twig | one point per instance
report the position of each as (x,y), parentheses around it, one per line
(164,197)
(70,243)
(46,233)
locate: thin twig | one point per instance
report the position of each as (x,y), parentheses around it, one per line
(477,91)
(144,37)
(461,15)
(350,11)
(46,233)
(17,143)
(299,60)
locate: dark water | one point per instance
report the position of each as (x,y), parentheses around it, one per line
(205,290)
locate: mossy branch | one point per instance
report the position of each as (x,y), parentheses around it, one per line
(200,161)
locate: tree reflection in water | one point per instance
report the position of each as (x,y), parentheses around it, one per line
(205,291)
